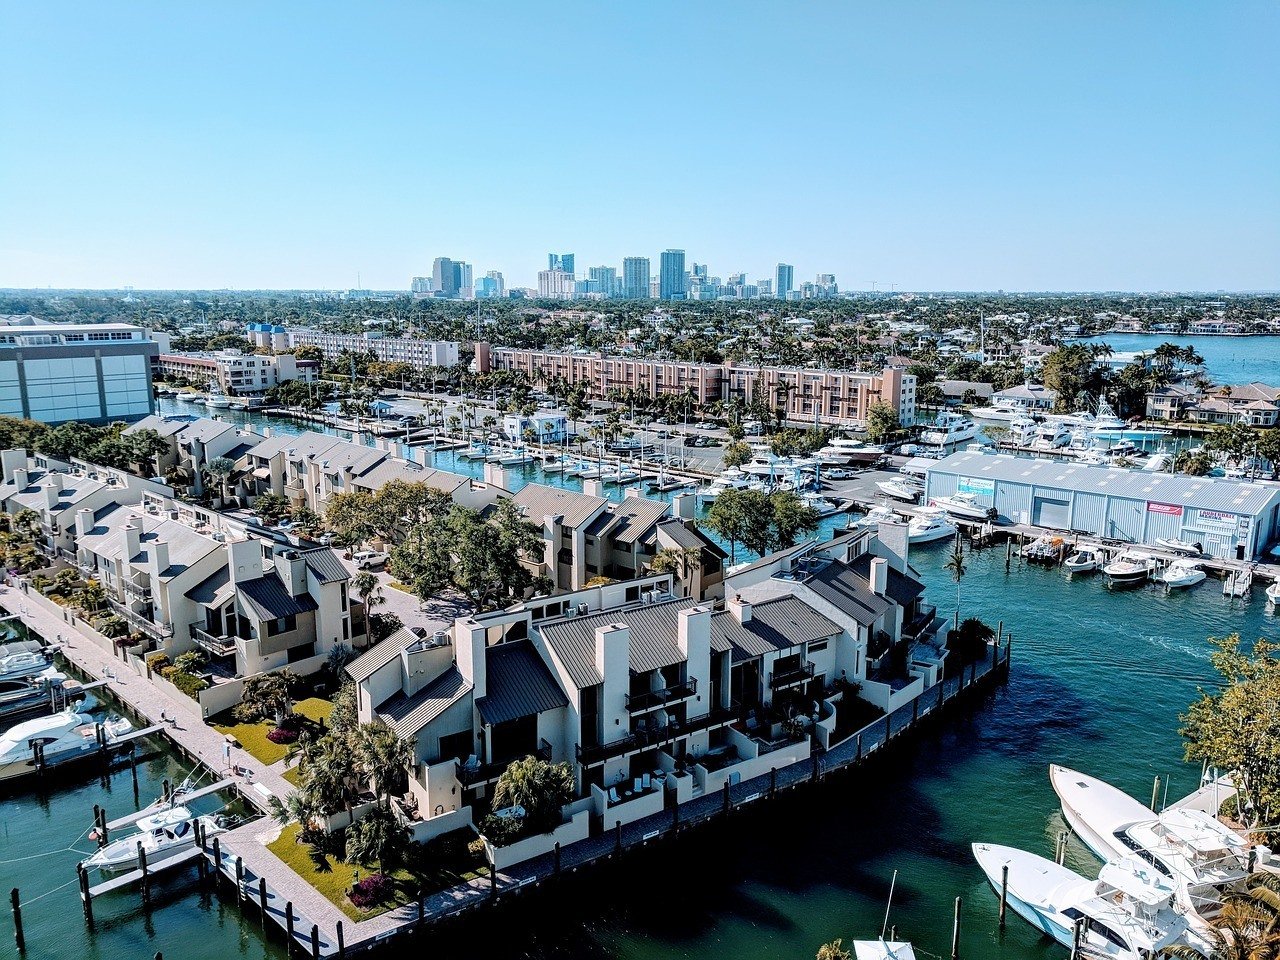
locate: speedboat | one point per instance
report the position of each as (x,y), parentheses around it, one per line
(515,457)
(1180,546)
(162,835)
(1273,594)
(621,476)
(1082,561)
(874,517)
(823,506)
(899,489)
(1129,568)
(22,658)
(553,463)
(949,429)
(215,399)
(593,473)
(1203,859)
(1181,573)
(963,505)
(928,527)
(728,480)
(30,694)
(1128,911)
(1044,549)
(65,736)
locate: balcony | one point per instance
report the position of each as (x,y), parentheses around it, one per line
(218,646)
(480,773)
(668,696)
(142,591)
(792,677)
(925,621)
(643,740)
(148,626)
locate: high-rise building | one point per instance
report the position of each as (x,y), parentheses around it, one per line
(560,261)
(606,277)
(420,285)
(765,287)
(671,275)
(555,284)
(635,278)
(499,282)
(444,277)
(466,290)
(655,288)
(786,280)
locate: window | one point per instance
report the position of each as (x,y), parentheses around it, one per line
(281,625)
(817,646)
(303,651)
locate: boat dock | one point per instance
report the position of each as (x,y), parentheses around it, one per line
(132,818)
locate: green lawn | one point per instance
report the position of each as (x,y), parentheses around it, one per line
(253,736)
(293,776)
(333,878)
(314,709)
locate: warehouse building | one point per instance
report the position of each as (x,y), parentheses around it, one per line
(1230,519)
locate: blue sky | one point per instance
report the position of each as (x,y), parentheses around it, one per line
(963,146)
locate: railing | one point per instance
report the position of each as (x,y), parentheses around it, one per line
(219,646)
(139,590)
(922,623)
(148,626)
(643,739)
(484,772)
(788,678)
(676,693)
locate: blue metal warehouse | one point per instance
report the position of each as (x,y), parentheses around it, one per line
(1231,519)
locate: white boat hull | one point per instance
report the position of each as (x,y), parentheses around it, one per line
(1095,810)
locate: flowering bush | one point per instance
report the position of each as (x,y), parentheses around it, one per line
(373,889)
(283,734)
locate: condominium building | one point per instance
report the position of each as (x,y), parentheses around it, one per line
(807,395)
(267,336)
(416,353)
(786,275)
(671,278)
(235,373)
(635,278)
(54,372)
(555,284)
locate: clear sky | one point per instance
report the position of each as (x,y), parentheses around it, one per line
(949,145)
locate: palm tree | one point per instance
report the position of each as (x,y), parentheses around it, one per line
(957,567)
(383,757)
(220,469)
(1246,928)
(834,951)
(539,787)
(681,562)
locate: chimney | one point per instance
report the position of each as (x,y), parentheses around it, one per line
(879,576)
(54,480)
(11,460)
(159,554)
(632,492)
(84,522)
(739,609)
(131,539)
(685,506)
(292,570)
(20,478)
(693,634)
(245,559)
(266,433)
(469,649)
(894,545)
(613,660)
(495,475)
(593,488)
(51,493)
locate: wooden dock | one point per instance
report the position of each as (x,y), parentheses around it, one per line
(132,818)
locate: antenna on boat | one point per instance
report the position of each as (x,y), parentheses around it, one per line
(889,904)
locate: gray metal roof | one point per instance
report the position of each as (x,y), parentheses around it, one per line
(214,589)
(204,430)
(1231,496)
(186,546)
(899,587)
(379,655)
(687,536)
(267,597)
(653,631)
(407,716)
(325,564)
(774,625)
(517,684)
(847,592)
(165,426)
(540,501)
(634,517)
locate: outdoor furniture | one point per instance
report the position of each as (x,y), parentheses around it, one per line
(635,787)
(613,795)
(646,782)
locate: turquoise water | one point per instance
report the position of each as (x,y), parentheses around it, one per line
(1097,682)
(1226,359)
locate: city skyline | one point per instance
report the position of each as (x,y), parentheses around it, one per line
(985,148)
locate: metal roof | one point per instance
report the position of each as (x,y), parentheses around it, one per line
(688,537)
(267,597)
(186,546)
(633,517)
(517,684)
(380,654)
(408,715)
(1232,496)
(164,426)
(574,509)
(847,592)
(899,587)
(653,631)
(774,625)
(214,589)
(325,564)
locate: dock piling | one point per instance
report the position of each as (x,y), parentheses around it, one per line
(342,943)
(217,858)
(315,942)
(142,865)
(1004,892)
(557,853)
(15,901)
(86,898)
(288,924)
(955,932)
(239,880)
(1155,792)
(262,898)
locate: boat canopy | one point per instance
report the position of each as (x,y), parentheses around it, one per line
(882,950)
(1199,831)
(1137,881)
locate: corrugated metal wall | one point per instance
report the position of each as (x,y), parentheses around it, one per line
(1089,513)
(1013,501)
(1125,519)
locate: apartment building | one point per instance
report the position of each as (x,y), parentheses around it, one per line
(193,442)
(414,352)
(808,395)
(653,698)
(55,372)
(235,373)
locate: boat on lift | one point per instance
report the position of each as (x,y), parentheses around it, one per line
(1181,546)
(65,736)
(162,835)
(22,658)
(1181,574)
(949,429)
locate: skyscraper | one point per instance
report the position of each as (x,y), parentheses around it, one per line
(444,277)
(555,284)
(606,277)
(635,278)
(786,280)
(671,275)
(499,284)
(560,261)
(465,289)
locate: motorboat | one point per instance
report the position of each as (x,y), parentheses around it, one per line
(882,949)
(162,835)
(621,476)
(1202,857)
(900,489)
(1044,549)
(477,451)
(857,451)
(30,694)
(1128,912)
(22,658)
(731,479)
(1023,431)
(823,506)
(65,736)
(516,457)
(1130,568)
(963,505)
(1181,546)
(553,463)
(1051,436)
(1273,594)
(593,473)
(1082,561)
(949,429)
(1180,574)
(215,399)
(929,527)
(626,445)
(874,517)
(1001,410)
(1103,419)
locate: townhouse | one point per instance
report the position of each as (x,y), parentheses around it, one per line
(654,698)
(193,442)
(412,351)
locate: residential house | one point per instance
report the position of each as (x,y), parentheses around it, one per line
(1255,404)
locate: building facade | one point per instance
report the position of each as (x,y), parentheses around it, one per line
(671,279)
(784,280)
(635,278)
(236,373)
(414,352)
(55,372)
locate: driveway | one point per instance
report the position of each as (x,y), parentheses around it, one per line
(437,613)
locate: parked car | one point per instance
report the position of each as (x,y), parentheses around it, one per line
(367,559)
(838,473)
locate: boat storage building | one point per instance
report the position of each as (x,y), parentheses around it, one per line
(1231,519)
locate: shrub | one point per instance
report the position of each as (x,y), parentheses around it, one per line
(188,683)
(501,831)
(476,847)
(193,661)
(370,891)
(158,662)
(282,734)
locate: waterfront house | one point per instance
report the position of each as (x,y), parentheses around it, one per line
(1255,404)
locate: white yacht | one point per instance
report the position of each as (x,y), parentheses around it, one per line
(1128,912)
(1103,419)
(928,527)
(621,476)
(823,506)
(515,457)
(873,518)
(215,399)
(1002,410)
(900,488)
(1129,568)
(963,505)
(553,463)
(1022,431)
(1051,436)
(1181,547)
(949,429)
(162,835)
(22,658)
(1180,574)
(855,451)
(1202,858)
(65,736)
(731,479)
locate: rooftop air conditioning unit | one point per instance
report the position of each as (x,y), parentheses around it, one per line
(583,609)
(441,637)
(571,612)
